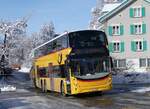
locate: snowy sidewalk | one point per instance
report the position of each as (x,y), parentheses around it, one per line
(132,78)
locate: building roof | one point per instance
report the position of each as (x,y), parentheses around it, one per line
(147,1)
(109,7)
(117,9)
(120,7)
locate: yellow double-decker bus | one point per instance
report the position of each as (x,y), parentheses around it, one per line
(73,63)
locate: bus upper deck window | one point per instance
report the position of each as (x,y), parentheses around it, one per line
(101,37)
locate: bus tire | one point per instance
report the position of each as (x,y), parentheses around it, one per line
(45,88)
(42,86)
(34,83)
(62,89)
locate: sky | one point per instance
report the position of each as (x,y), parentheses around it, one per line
(65,14)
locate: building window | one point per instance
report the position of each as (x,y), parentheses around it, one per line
(148,62)
(122,63)
(116,47)
(116,30)
(115,63)
(139,46)
(137,12)
(119,63)
(144,62)
(138,29)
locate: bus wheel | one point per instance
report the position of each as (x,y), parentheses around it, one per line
(45,87)
(42,86)
(62,89)
(34,83)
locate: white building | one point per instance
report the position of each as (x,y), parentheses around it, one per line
(128,29)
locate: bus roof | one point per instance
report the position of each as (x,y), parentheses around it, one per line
(60,36)
(83,31)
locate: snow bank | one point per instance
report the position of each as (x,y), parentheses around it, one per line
(7,88)
(142,90)
(132,78)
(24,70)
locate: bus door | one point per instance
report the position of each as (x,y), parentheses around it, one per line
(51,76)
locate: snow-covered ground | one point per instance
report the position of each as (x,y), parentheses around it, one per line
(7,88)
(24,70)
(10,83)
(132,78)
(142,90)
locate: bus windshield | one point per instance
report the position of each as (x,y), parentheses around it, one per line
(86,67)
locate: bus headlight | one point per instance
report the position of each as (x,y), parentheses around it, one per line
(67,82)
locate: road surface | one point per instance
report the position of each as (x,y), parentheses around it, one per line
(26,97)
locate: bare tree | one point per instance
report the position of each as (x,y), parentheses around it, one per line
(12,32)
(47,32)
(12,48)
